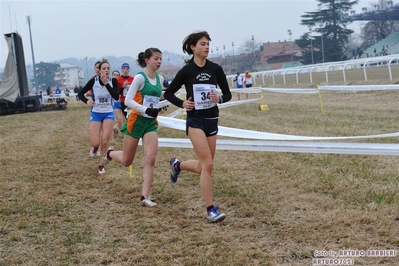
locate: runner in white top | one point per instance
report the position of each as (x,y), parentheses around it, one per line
(104,91)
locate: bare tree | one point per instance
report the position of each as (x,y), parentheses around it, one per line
(376,30)
(252,48)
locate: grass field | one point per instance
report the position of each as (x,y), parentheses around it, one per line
(55,209)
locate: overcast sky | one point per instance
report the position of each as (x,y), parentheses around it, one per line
(80,28)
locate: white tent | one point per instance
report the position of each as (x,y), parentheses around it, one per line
(9,87)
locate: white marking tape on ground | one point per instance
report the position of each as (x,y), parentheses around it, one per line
(251,90)
(234,103)
(281,146)
(302,147)
(249,134)
(360,88)
(300,91)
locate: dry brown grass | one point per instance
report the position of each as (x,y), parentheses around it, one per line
(281,207)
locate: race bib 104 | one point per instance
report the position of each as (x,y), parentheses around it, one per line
(103,101)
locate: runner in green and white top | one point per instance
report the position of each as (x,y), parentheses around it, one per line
(143,99)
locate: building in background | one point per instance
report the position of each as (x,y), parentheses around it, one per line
(271,55)
(169,71)
(276,55)
(69,76)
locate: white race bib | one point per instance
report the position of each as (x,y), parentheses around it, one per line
(103,101)
(201,93)
(150,102)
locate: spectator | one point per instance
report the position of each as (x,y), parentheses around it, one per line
(58,90)
(247,82)
(238,80)
(76,90)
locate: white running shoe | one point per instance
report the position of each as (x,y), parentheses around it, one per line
(107,159)
(147,202)
(101,169)
(214,216)
(93,152)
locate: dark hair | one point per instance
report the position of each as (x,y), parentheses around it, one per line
(103,62)
(115,71)
(146,55)
(97,63)
(192,39)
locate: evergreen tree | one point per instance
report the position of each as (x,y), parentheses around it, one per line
(326,24)
(45,73)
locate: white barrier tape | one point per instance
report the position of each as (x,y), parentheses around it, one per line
(249,134)
(246,90)
(174,114)
(302,91)
(234,103)
(165,102)
(302,147)
(223,105)
(360,88)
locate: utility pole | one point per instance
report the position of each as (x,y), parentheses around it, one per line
(169,72)
(311,47)
(87,71)
(28,18)
(322,41)
(311,44)
(254,56)
(232,44)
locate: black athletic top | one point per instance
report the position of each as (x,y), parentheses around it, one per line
(89,85)
(190,75)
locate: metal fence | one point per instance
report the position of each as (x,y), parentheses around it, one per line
(365,69)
